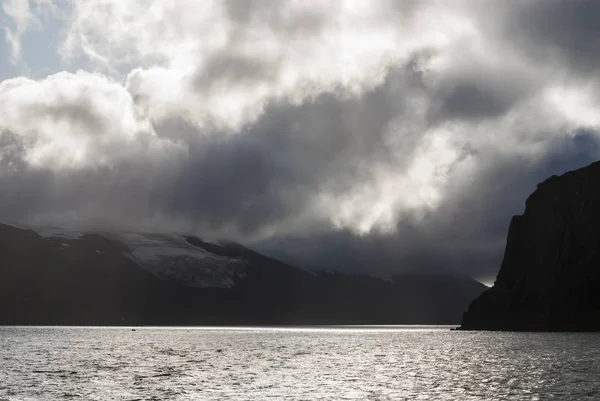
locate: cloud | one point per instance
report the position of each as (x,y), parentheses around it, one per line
(557,31)
(465,234)
(357,134)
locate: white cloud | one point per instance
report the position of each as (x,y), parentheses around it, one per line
(79,121)
(223,71)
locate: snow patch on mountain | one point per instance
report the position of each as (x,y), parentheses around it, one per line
(53,232)
(166,255)
(170,256)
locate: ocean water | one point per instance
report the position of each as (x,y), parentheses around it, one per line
(341,363)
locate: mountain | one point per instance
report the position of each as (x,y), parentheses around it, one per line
(57,277)
(549,279)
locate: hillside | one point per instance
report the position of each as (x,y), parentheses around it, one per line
(86,278)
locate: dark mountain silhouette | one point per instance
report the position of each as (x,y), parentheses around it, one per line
(549,279)
(170,279)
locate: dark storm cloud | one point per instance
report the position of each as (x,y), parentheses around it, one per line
(465,236)
(271,172)
(476,90)
(472,100)
(266,174)
(564,31)
(228,67)
(299,138)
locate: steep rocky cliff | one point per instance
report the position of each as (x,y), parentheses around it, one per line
(549,279)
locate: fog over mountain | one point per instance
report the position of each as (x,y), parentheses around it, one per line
(362,135)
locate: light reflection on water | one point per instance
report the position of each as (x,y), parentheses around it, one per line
(303,363)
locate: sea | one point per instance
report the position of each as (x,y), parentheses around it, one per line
(295,363)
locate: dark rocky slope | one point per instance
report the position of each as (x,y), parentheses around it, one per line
(99,279)
(549,279)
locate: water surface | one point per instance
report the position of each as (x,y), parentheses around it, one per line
(341,363)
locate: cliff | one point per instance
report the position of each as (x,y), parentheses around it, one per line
(54,277)
(549,279)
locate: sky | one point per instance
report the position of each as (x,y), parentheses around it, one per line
(366,135)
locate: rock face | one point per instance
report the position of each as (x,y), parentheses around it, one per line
(69,278)
(549,279)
